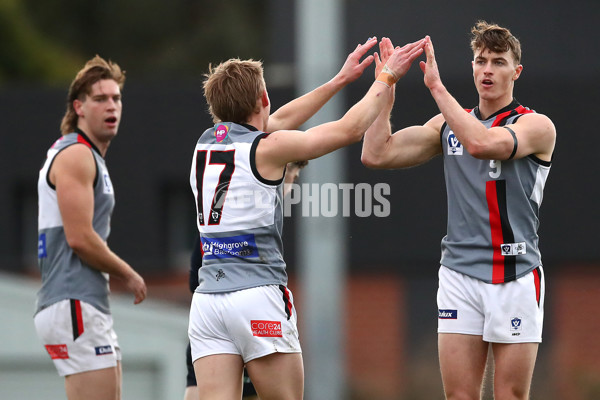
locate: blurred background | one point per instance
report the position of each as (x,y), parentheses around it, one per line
(388,338)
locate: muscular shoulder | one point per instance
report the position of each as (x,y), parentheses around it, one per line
(74,162)
(436,122)
(273,152)
(538,132)
(538,123)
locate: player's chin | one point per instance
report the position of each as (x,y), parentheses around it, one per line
(111,129)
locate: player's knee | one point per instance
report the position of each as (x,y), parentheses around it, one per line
(510,392)
(463,394)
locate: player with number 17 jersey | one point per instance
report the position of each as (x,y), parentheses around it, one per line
(239,213)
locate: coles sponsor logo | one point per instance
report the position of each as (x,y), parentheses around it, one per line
(221,132)
(57,351)
(447,314)
(103,350)
(266,328)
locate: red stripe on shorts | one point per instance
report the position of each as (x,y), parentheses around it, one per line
(537,281)
(76,318)
(286,301)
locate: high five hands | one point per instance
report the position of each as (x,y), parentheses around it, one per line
(399,59)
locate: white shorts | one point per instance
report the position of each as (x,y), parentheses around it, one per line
(511,312)
(252,322)
(77,336)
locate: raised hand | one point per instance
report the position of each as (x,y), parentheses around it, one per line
(353,67)
(386,48)
(401,59)
(429,67)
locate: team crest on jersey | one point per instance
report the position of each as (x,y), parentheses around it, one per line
(221,132)
(455,148)
(108,187)
(513,249)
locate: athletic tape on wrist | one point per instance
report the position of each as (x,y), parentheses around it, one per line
(387,76)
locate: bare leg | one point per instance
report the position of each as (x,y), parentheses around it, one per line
(462,363)
(100,384)
(514,365)
(278,376)
(191,393)
(219,377)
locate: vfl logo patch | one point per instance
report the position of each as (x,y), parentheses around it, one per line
(42,246)
(266,328)
(447,314)
(242,246)
(515,326)
(455,148)
(221,133)
(108,187)
(513,249)
(103,350)
(57,351)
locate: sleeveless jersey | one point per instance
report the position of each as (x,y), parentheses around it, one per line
(239,213)
(64,274)
(493,207)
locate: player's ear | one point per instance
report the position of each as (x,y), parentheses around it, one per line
(77,107)
(265,99)
(517,73)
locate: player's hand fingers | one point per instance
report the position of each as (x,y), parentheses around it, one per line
(366,62)
(362,49)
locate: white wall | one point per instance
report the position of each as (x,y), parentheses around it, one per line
(152,336)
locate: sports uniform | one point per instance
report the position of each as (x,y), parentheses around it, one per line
(196,262)
(72,309)
(241,305)
(493,217)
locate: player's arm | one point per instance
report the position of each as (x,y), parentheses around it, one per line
(531,134)
(73,173)
(407,147)
(293,114)
(535,134)
(282,147)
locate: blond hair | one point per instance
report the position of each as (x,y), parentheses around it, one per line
(93,71)
(233,88)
